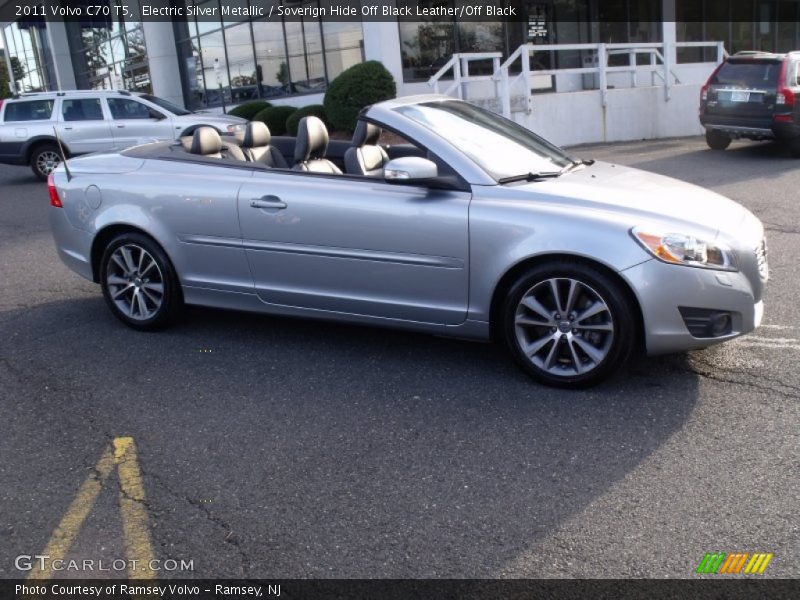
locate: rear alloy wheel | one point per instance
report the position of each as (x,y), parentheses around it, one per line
(568,324)
(139,282)
(717,140)
(44,161)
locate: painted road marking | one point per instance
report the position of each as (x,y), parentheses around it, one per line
(121,454)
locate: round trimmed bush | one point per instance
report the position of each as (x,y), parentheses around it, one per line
(359,86)
(275,118)
(248,110)
(316,110)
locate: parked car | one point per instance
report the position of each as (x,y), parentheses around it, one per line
(753,95)
(91,121)
(476,228)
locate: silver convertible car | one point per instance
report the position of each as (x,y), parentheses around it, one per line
(467,225)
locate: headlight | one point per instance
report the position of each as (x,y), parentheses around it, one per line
(683,249)
(235,128)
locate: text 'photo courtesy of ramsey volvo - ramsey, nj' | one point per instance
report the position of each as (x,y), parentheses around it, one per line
(475,228)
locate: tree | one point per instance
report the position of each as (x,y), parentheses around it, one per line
(17,68)
(4,91)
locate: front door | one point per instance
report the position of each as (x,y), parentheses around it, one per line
(136,123)
(357,245)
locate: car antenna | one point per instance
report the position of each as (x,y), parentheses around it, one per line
(63,155)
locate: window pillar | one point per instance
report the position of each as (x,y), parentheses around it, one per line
(62,58)
(162,58)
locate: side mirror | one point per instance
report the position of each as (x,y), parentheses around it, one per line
(410,170)
(154,114)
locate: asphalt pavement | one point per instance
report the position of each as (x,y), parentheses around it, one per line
(272,447)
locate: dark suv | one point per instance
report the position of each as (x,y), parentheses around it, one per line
(753,95)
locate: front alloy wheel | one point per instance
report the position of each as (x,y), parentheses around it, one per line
(139,283)
(570,326)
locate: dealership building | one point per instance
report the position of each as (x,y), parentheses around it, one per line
(598,48)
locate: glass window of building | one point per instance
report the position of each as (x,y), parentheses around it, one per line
(109,53)
(741,25)
(242,59)
(29,53)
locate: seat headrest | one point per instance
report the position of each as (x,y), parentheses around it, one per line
(205,140)
(256,134)
(366,134)
(312,139)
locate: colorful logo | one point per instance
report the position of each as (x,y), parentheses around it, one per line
(734,563)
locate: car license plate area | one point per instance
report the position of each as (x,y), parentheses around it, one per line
(740,96)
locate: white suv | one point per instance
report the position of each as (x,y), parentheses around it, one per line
(91,121)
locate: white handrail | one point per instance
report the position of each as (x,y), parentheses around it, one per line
(661,65)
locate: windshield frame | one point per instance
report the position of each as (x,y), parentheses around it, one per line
(515,134)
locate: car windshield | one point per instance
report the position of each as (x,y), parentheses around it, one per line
(750,74)
(174,109)
(500,147)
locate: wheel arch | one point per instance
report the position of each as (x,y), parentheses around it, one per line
(108,233)
(32,144)
(515,272)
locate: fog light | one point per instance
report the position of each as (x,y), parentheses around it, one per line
(720,324)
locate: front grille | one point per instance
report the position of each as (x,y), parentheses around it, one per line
(761,259)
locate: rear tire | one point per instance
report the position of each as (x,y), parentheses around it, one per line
(44,160)
(568,324)
(717,140)
(139,283)
(794,147)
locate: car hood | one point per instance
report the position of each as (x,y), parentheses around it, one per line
(640,195)
(210,117)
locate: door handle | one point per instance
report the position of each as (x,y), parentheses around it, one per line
(120,126)
(267,202)
(68,128)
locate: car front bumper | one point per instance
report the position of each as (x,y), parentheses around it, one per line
(663,290)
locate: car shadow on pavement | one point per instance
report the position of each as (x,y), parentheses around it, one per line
(342,451)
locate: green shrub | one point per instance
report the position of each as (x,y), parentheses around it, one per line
(248,110)
(316,110)
(275,118)
(357,87)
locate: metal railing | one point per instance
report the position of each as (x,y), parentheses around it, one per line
(660,66)
(459,65)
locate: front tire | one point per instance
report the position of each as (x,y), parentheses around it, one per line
(139,282)
(568,324)
(717,140)
(44,160)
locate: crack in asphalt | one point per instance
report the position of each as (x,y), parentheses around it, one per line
(711,369)
(230,537)
(779,228)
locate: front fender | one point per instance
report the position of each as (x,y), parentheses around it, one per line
(505,234)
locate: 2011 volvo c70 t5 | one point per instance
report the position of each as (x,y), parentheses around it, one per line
(474,228)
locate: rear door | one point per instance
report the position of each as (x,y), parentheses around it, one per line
(743,92)
(136,123)
(84,126)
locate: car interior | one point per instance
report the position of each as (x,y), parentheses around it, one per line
(311,151)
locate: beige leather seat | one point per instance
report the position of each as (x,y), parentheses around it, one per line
(207,142)
(310,147)
(366,157)
(255,144)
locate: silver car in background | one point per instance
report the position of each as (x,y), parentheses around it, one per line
(474,228)
(92,121)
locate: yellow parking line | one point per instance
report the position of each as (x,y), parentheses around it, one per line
(67,530)
(135,529)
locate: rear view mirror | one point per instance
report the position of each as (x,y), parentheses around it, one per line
(410,170)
